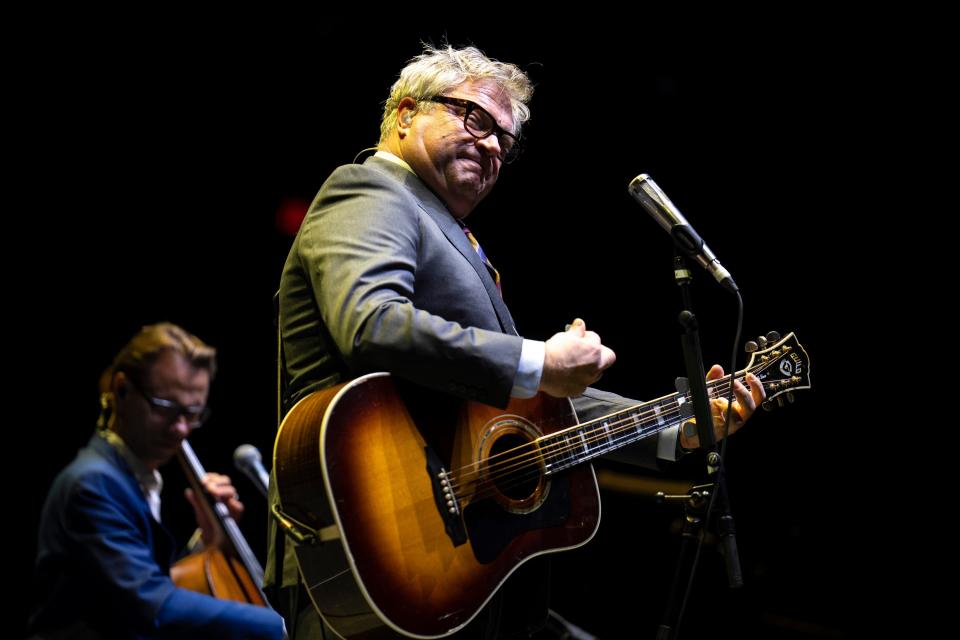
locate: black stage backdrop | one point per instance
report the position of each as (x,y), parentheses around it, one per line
(158,164)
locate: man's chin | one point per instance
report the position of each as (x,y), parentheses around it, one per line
(471,189)
(168,451)
(476,184)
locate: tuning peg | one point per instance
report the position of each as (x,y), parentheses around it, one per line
(767,405)
(750,347)
(779,401)
(763,342)
(790,397)
(773,336)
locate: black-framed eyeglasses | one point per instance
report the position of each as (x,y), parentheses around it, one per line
(196,414)
(479,123)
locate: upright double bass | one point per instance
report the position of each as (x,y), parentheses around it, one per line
(229,571)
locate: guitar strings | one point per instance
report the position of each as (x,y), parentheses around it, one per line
(488,486)
(582,445)
(554,446)
(716,388)
(631,418)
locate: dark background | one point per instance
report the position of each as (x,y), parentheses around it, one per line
(154,167)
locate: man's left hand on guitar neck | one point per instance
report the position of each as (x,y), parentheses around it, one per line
(746,402)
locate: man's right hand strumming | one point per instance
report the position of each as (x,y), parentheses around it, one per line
(573,360)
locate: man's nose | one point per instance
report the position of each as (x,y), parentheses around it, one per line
(491,146)
(182,425)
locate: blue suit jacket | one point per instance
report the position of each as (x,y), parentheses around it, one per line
(103,564)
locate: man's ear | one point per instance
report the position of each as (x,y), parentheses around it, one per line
(406,109)
(119,384)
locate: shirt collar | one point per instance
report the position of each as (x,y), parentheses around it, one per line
(150,479)
(386,155)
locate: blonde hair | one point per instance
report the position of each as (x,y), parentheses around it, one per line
(437,70)
(142,351)
(146,346)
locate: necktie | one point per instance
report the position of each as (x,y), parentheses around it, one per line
(476,247)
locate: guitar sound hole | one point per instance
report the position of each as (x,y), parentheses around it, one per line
(515,473)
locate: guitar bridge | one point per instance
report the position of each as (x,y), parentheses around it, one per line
(446,500)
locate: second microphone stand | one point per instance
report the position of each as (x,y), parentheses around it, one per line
(703,500)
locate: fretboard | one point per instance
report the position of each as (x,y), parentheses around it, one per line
(583,442)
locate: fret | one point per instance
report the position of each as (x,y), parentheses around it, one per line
(658,412)
(630,425)
(559,453)
(607,436)
(568,458)
(549,457)
(584,443)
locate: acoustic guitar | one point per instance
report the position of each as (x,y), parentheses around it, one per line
(425,504)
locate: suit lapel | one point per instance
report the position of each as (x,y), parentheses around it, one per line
(458,239)
(433,207)
(162,540)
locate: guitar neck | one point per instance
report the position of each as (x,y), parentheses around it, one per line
(195,473)
(583,442)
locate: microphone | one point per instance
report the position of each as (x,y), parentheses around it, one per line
(658,205)
(247,459)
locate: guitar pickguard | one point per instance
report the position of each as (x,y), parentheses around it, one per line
(491,528)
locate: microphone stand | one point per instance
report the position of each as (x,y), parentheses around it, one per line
(700,496)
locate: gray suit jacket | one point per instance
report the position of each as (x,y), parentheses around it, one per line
(382,278)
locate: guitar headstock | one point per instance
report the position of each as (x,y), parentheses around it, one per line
(782,365)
